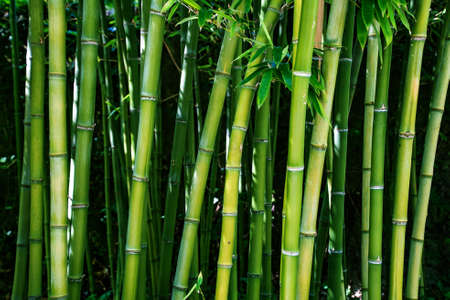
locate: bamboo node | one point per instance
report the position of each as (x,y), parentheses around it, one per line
(406,135)
(342,129)
(34,241)
(426,175)
(437,109)
(399,222)
(308,234)
(57,75)
(318,147)
(224,74)
(191,220)
(79,205)
(140,179)
(229,214)
(237,67)
(305,74)
(376,261)
(224,266)
(132,251)
(37,180)
(241,128)
(294,42)
(190,56)
(295,169)
(148,98)
(85,41)
(86,127)
(338,193)
(420,240)
(76,279)
(258,212)
(205,150)
(334,251)
(157,13)
(377,187)
(418,37)
(289,253)
(275,10)
(61,154)
(181,121)
(37,116)
(253,275)
(250,87)
(25,186)
(346,59)
(58,226)
(382,108)
(233,168)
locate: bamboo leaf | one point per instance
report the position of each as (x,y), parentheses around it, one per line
(361,30)
(187,20)
(368,12)
(387,31)
(264,87)
(192,4)
(251,76)
(167,6)
(382,5)
(286,74)
(172,11)
(257,53)
(402,16)
(266,32)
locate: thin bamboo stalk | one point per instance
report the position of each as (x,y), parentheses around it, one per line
(336,288)
(205,152)
(85,127)
(36,148)
(20,267)
(233,162)
(405,145)
(377,176)
(332,45)
(149,97)
(431,139)
(369,102)
(58,148)
(185,101)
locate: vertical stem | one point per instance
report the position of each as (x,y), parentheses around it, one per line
(36,148)
(405,145)
(85,128)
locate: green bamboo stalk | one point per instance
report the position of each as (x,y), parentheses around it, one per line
(405,144)
(377,176)
(185,100)
(296,26)
(295,162)
(20,267)
(153,252)
(85,127)
(358,53)
(142,277)
(233,162)
(36,148)
(336,288)
(15,75)
(332,45)
(260,145)
(369,102)
(149,97)
(46,216)
(58,148)
(206,149)
(426,172)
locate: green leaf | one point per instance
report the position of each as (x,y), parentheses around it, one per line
(167,6)
(276,54)
(391,15)
(387,31)
(257,53)
(361,30)
(192,4)
(172,11)
(316,106)
(199,281)
(368,12)
(266,32)
(286,74)
(244,54)
(203,16)
(187,20)
(264,87)
(402,16)
(382,6)
(316,83)
(251,76)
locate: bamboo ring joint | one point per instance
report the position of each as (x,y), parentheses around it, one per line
(289,253)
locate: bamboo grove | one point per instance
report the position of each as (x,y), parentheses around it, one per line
(187,149)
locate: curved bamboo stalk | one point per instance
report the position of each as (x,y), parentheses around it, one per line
(58,148)
(185,100)
(426,172)
(377,176)
(36,148)
(85,127)
(336,288)
(20,267)
(233,162)
(205,152)
(369,102)
(149,97)
(405,145)
(333,41)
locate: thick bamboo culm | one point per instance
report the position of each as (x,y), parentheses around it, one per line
(234,157)
(203,161)
(375,257)
(437,106)
(332,48)
(58,149)
(406,136)
(37,84)
(369,102)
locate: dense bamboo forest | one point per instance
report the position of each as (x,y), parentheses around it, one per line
(229,149)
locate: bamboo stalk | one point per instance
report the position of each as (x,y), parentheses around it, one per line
(185,101)
(149,97)
(377,176)
(336,288)
(333,41)
(85,127)
(20,267)
(369,102)
(205,152)
(233,162)
(405,144)
(36,148)
(431,139)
